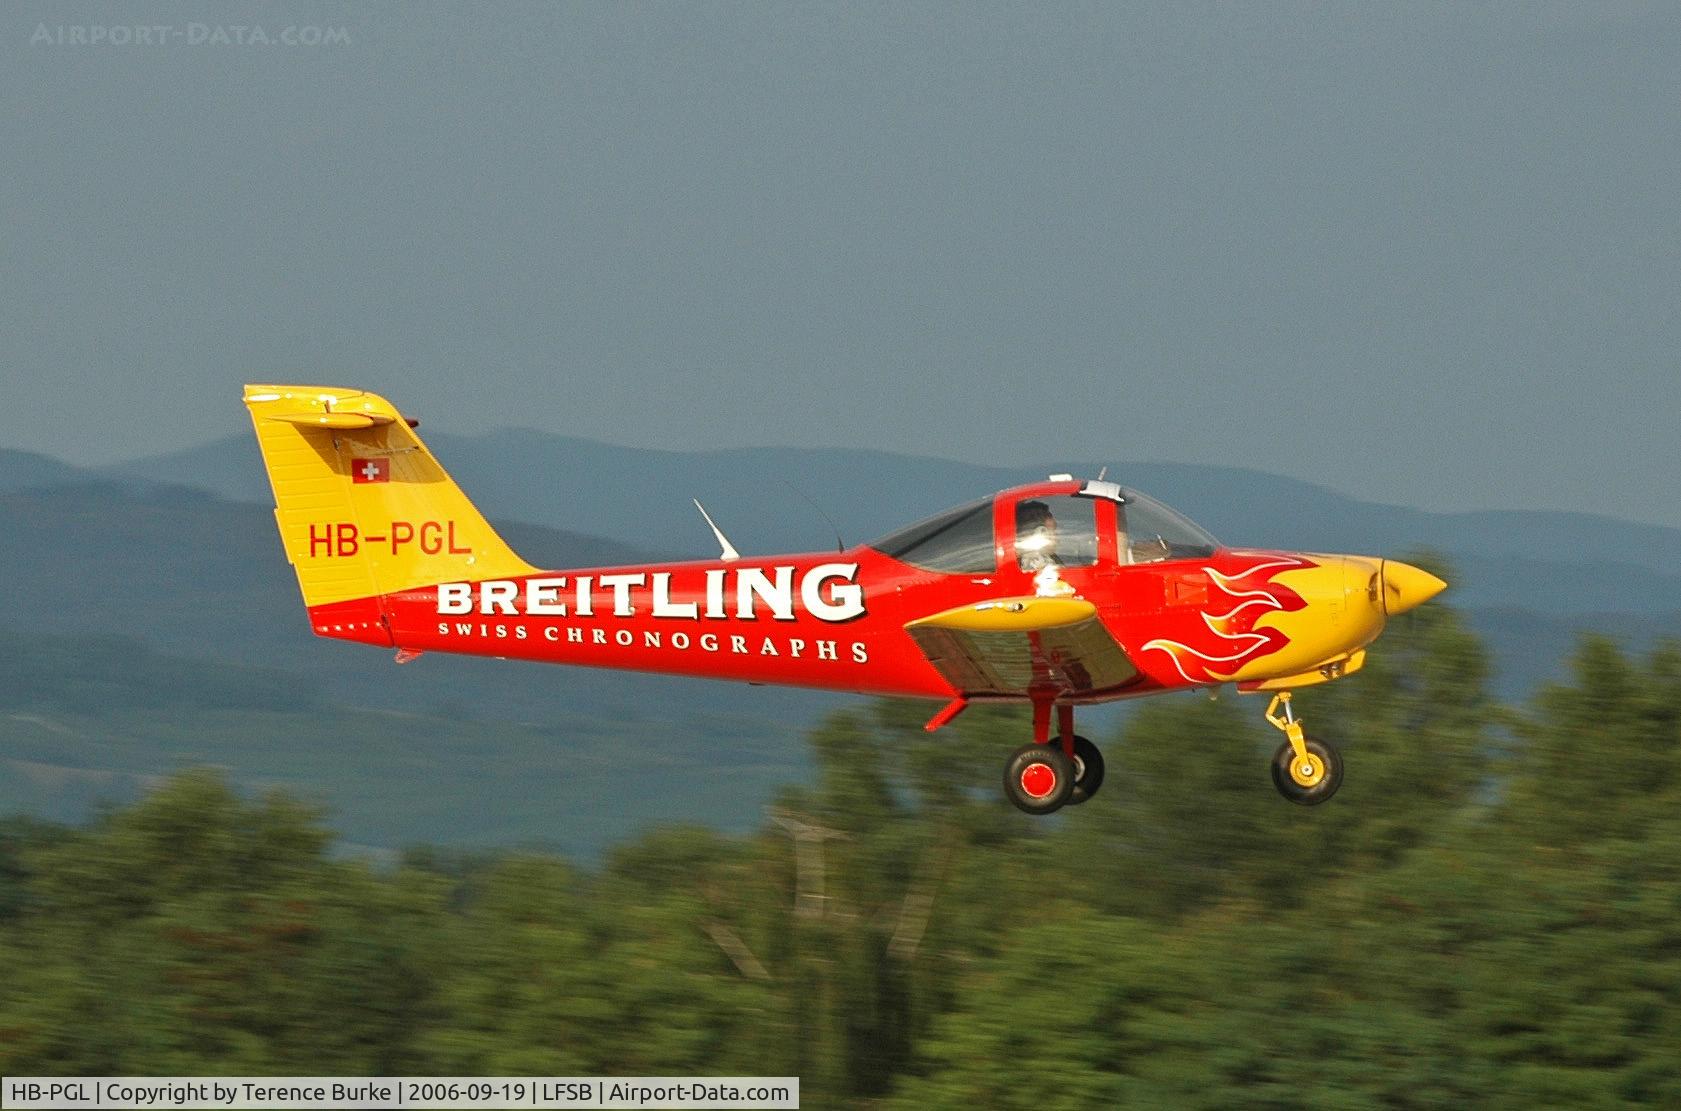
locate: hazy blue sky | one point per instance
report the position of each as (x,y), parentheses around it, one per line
(1428,254)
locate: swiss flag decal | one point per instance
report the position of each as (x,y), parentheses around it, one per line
(370,470)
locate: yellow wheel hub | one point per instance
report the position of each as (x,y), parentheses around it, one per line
(1306,771)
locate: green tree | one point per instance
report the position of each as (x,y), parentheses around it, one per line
(195,932)
(1601,755)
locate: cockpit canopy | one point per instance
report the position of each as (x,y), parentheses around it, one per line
(958,541)
(1153,531)
(965,540)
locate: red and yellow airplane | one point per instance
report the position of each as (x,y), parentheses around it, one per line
(1058,594)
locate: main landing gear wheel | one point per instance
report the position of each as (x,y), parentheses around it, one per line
(1039,778)
(1088,770)
(1310,779)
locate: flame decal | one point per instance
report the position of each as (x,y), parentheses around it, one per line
(1235,604)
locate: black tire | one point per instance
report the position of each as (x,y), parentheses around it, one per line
(1307,794)
(1038,778)
(1088,770)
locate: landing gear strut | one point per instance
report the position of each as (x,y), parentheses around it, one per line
(1049,774)
(1305,770)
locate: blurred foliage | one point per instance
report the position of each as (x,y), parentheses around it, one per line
(1489,914)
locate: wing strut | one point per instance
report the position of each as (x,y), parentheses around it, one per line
(942,719)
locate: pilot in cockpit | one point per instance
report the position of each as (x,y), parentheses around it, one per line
(1036,536)
(1037,551)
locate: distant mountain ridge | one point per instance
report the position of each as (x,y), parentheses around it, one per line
(20,470)
(201,577)
(759,496)
(86,719)
(194,574)
(1564,571)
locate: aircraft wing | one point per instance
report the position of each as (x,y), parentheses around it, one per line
(1008,645)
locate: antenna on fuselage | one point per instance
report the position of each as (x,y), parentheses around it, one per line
(840,545)
(723,541)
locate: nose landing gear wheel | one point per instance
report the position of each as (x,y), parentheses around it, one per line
(1308,780)
(1039,778)
(1305,771)
(1088,770)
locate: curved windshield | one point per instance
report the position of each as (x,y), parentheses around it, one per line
(957,541)
(1151,532)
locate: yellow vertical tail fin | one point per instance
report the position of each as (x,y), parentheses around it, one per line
(364,509)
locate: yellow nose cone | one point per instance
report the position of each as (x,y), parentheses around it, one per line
(1406,586)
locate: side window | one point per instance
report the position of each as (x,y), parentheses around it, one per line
(955,542)
(1150,532)
(1056,532)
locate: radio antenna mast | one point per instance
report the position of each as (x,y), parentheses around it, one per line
(840,545)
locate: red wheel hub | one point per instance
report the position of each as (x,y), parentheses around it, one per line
(1038,780)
